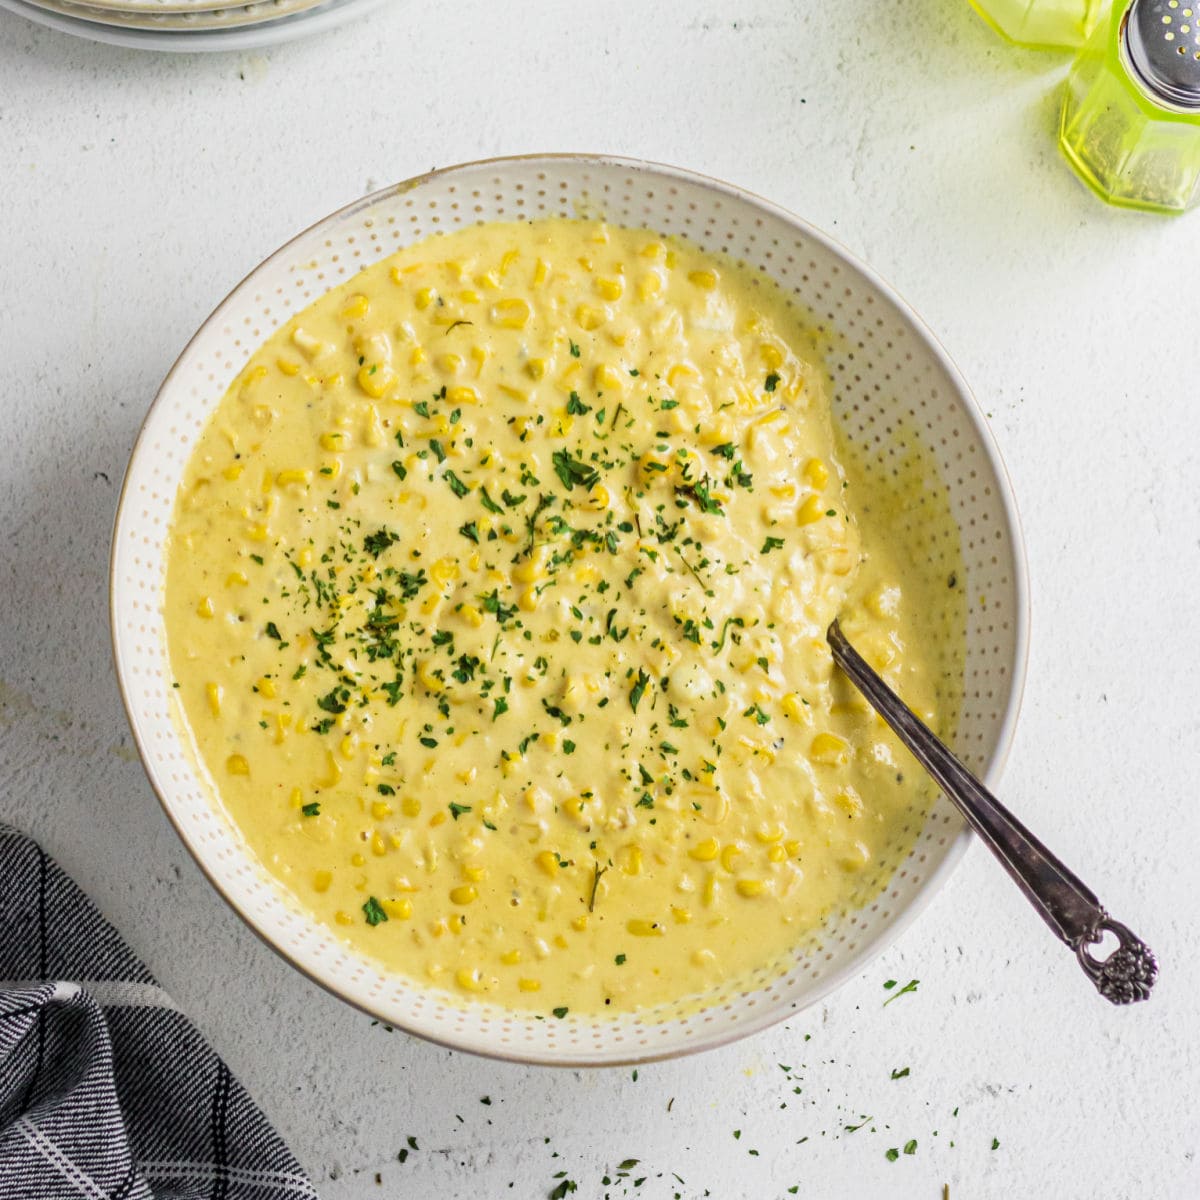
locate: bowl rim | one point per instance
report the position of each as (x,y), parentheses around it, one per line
(1018,667)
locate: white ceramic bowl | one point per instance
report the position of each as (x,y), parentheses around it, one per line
(890,375)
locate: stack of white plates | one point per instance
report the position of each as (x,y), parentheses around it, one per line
(190,24)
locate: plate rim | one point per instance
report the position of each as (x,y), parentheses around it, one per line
(1018,666)
(274,32)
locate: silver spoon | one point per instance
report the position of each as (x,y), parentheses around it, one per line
(1064,903)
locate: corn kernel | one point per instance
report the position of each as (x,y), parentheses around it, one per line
(816,472)
(529,985)
(811,511)
(444,570)
(751,887)
(705,851)
(510,958)
(607,379)
(463,894)
(590,318)
(849,801)
(470,979)
(705,280)
(632,861)
(381,810)
(829,750)
(236,764)
(400,909)
(650,285)
(205,608)
(640,927)
(547,861)
(610,289)
(214,693)
(375,379)
(511,314)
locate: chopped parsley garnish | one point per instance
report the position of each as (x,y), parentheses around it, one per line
(771,382)
(638,690)
(457,486)
(772,543)
(574,471)
(374,911)
(272,631)
(699,494)
(312,810)
(457,810)
(493,604)
(334,701)
(376,543)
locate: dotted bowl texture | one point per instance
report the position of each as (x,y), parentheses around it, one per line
(891,380)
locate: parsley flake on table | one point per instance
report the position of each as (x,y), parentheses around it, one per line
(910,986)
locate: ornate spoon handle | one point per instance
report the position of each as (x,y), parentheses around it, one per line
(1065,904)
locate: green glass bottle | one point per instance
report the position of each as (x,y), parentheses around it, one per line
(1041,24)
(1130,121)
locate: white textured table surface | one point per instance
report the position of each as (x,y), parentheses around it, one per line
(135,190)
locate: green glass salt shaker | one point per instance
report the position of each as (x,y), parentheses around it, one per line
(1131,113)
(1041,24)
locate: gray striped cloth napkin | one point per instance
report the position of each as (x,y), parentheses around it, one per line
(107,1091)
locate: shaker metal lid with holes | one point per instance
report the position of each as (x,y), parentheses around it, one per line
(1162,45)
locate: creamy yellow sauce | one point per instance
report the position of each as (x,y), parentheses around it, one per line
(496,599)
